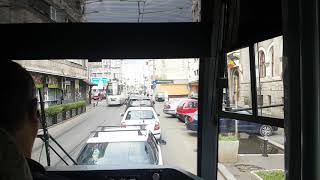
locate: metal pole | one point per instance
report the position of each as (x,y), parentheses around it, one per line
(74,162)
(265,147)
(45,129)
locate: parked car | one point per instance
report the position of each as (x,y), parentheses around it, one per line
(228,125)
(191,121)
(170,107)
(186,107)
(160,97)
(121,146)
(142,116)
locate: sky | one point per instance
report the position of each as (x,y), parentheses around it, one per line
(133,71)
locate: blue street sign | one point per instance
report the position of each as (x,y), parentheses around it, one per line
(154,82)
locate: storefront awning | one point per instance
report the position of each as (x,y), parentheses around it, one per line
(89,83)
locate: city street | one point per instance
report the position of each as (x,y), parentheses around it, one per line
(180,149)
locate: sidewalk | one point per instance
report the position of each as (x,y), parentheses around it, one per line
(250,162)
(55,129)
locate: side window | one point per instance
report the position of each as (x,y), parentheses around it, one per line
(192,105)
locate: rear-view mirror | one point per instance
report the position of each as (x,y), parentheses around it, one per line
(158,114)
(121,114)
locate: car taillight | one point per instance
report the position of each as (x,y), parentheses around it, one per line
(156,126)
(123,124)
(190,119)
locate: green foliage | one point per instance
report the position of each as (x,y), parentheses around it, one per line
(271,175)
(228,138)
(53,110)
(56,109)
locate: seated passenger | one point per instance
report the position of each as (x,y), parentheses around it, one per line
(19,123)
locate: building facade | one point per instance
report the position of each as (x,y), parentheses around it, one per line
(100,73)
(268,55)
(40,11)
(171,76)
(193,76)
(61,81)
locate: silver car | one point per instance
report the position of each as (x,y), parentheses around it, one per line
(170,107)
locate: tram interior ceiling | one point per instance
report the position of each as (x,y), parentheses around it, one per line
(225,26)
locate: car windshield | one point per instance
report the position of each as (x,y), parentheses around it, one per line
(117,153)
(140,114)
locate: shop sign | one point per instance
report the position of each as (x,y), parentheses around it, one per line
(53,82)
(67,83)
(51,86)
(164,81)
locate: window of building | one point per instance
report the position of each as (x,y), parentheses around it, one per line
(260,100)
(262,65)
(271,55)
(269,99)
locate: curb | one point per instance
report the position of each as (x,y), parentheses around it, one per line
(225,173)
(280,146)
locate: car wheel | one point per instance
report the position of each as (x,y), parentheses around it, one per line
(266,130)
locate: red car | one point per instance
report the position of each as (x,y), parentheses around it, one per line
(186,107)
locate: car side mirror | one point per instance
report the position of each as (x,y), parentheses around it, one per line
(158,114)
(121,114)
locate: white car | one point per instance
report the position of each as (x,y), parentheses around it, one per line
(170,107)
(121,147)
(115,99)
(142,116)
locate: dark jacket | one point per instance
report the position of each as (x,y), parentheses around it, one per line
(39,172)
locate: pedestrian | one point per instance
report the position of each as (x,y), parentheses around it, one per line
(19,125)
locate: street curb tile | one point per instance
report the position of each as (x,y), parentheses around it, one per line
(225,172)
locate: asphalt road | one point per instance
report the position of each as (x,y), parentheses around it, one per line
(180,149)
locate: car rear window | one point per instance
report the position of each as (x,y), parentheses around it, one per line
(117,153)
(140,102)
(193,104)
(181,104)
(140,114)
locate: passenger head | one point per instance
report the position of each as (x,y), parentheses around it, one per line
(19,114)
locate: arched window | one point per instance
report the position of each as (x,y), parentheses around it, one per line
(271,55)
(262,64)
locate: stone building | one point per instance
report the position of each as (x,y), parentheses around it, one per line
(41,11)
(61,80)
(270,92)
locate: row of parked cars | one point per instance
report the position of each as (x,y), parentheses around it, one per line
(186,110)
